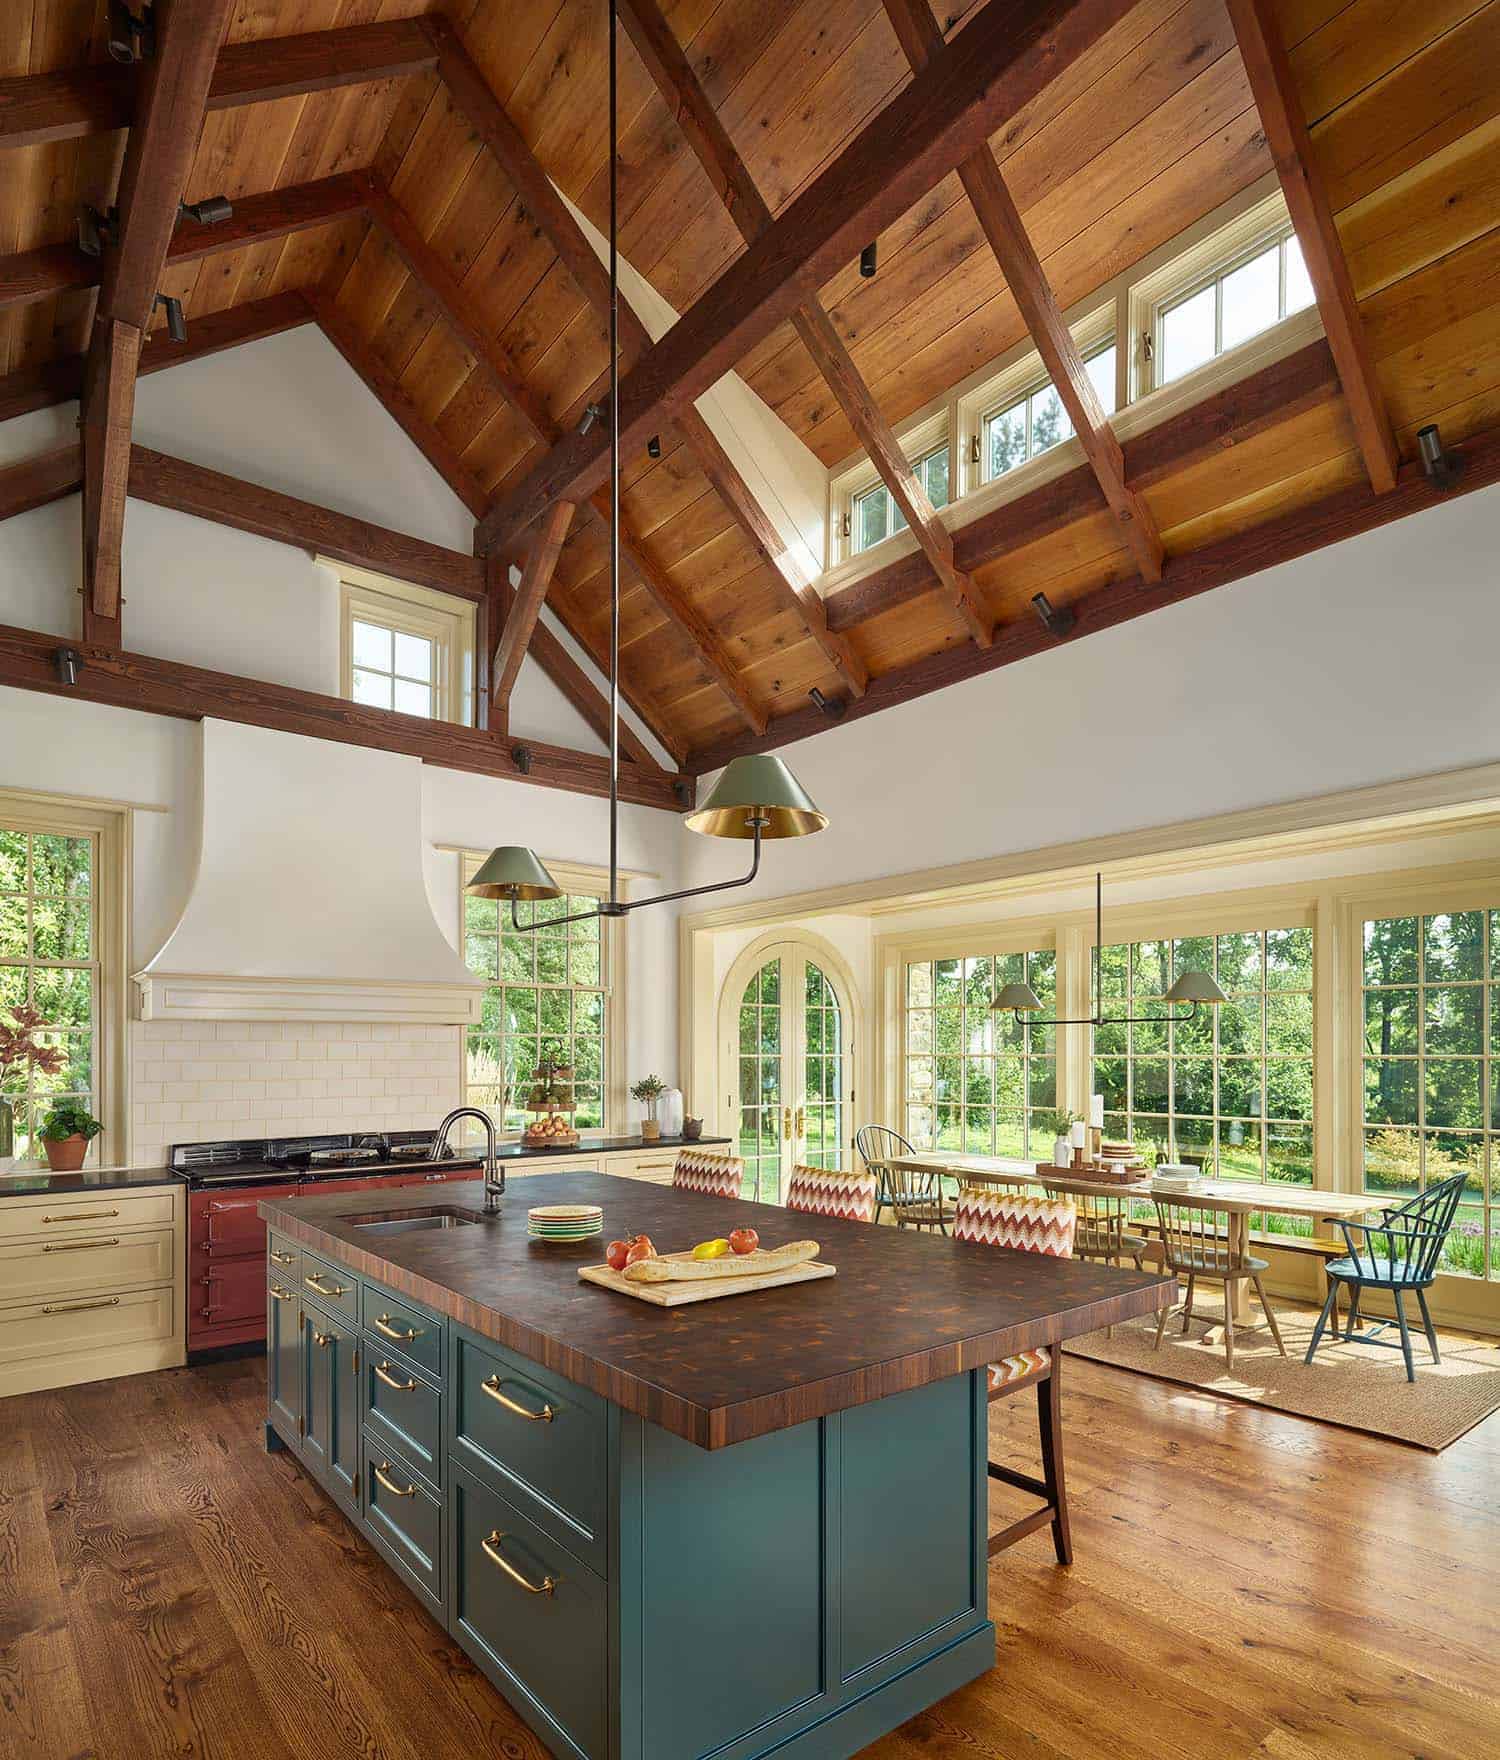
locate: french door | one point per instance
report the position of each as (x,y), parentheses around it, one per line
(787,1048)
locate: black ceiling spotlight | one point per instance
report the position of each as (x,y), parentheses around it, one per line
(681,792)
(66,662)
(176,323)
(211,211)
(520,756)
(1056,623)
(653,446)
(867,262)
(132,35)
(835,708)
(97,229)
(1443,468)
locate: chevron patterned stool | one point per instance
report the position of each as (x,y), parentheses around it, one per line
(714,1176)
(817,1192)
(1027,1225)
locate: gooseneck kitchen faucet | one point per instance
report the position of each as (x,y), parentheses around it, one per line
(494,1174)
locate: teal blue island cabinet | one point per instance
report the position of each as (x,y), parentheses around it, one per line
(746,1527)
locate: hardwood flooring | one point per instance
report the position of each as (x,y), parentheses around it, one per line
(1245,1584)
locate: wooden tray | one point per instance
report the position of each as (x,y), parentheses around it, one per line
(675,1295)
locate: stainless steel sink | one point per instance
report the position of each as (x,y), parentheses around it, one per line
(412,1221)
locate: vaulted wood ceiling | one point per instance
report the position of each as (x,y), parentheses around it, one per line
(426,262)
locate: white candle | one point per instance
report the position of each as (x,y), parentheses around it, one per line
(1096,1112)
(1078,1129)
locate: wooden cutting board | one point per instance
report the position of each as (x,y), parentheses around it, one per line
(676,1295)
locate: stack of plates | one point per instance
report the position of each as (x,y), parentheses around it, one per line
(1172,1178)
(564,1222)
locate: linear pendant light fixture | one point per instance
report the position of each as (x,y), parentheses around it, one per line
(1189,988)
(755,797)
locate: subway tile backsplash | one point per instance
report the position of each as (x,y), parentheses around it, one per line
(194,1081)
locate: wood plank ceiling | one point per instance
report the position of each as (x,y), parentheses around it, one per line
(1145,133)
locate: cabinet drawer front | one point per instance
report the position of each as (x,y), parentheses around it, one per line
(529,1612)
(29,1330)
(394,1325)
(541,1441)
(336,1288)
(405,1520)
(102,1261)
(99,1213)
(283,1260)
(403,1410)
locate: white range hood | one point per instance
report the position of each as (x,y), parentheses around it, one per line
(309,902)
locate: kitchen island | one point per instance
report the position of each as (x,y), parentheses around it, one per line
(749,1526)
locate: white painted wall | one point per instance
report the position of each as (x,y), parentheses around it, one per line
(1371,661)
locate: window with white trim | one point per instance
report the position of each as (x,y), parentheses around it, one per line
(874,515)
(406,648)
(1025,425)
(1226,306)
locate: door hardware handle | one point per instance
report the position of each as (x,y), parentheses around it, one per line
(801,1121)
(382,1475)
(323,1338)
(383,1324)
(284,1258)
(82,1216)
(79,1246)
(491,1386)
(383,1370)
(79,1307)
(490,1547)
(316,1282)
(281,1295)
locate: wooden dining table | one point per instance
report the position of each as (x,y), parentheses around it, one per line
(1240,1199)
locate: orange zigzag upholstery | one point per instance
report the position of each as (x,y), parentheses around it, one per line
(715,1176)
(818,1192)
(1002,1219)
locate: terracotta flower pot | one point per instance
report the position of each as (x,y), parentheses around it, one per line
(65,1154)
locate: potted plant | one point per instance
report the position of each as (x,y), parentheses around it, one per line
(1061,1124)
(21,1049)
(66,1133)
(648,1091)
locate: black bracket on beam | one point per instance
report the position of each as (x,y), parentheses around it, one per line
(97,229)
(520,756)
(132,35)
(66,660)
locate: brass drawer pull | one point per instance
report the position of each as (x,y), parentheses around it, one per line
(281,1295)
(283,1258)
(381,1473)
(383,1370)
(316,1282)
(491,1386)
(79,1307)
(491,1550)
(383,1324)
(324,1338)
(79,1246)
(82,1216)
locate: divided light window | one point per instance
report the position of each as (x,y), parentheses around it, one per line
(1025,427)
(546,996)
(1235,302)
(394,668)
(1231,1088)
(406,648)
(874,516)
(49,961)
(1432,1069)
(976,1082)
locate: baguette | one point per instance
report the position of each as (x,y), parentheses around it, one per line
(687,1270)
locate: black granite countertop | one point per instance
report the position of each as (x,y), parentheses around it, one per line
(587,1145)
(40,1183)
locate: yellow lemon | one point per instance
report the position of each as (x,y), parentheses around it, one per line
(711,1249)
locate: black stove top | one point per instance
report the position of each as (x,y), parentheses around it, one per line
(267,1160)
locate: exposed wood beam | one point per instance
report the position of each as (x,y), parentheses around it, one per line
(1274,87)
(949,110)
(1298,533)
(1215,425)
(40,387)
(40,107)
(921,38)
(107,410)
(526,605)
(26,276)
(679,86)
(47,476)
(168,687)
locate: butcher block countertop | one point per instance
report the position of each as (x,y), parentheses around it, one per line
(905,1308)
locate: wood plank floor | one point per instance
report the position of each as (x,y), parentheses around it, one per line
(1246,1584)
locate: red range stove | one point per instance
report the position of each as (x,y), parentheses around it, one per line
(226,1268)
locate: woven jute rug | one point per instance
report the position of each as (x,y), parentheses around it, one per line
(1358,1386)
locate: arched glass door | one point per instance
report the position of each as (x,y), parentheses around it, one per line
(790,1054)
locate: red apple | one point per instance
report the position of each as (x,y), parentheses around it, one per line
(743,1241)
(614,1255)
(640,1248)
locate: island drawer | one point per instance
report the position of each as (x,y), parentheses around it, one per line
(538,1439)
(533,1618)
(283,1259)
(103,1261)
(404,1410)
(335,1288)
(405,1521)
(393,1325)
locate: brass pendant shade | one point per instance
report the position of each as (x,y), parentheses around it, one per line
(757,791)
(513,872)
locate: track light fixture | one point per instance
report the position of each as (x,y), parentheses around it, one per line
(867,262)
(211,211)
(520,756)
(653,446)
(1056,623)
(97,229)
(1443,468)
(589,417)
(66,662)
(132,35)
(176,323)
(835,708)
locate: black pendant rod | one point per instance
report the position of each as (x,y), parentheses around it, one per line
(614,457)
